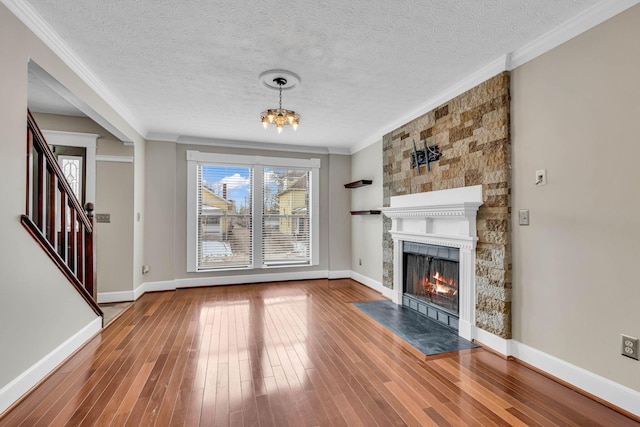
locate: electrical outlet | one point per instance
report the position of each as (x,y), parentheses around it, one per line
(523,216)
(541,177)
(145,269)
(630,346)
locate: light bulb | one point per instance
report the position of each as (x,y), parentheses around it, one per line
(279,129)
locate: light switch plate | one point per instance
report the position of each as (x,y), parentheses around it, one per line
(523,216)
(103,218)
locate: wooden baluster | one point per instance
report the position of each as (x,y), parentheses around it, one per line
(40,189)
(91,281)
(29,209)
(80,253)
(51,207)
(55,218)
(62,243)
(71,259)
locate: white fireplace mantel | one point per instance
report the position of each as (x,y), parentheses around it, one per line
(444,218)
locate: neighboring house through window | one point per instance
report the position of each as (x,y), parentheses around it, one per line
(248,212)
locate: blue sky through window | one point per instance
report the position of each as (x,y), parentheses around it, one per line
(238,182)
(237,179)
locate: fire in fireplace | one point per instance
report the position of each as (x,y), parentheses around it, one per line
(431,280)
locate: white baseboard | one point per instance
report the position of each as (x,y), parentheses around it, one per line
(603,388)
(373,284)
(340,274)
(614,393)
(171,285)
(166,285)
(492,341)
(250,278)
(109,297)
(621,396)
(29,378)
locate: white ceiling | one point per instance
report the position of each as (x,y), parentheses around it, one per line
(190,68)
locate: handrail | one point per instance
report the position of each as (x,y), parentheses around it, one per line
(56,219)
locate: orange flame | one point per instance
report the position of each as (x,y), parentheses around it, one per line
(440,285)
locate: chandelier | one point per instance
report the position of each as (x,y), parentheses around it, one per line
(280,116)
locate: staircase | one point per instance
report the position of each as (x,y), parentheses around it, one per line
(56,219)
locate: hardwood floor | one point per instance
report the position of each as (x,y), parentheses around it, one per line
(296,354)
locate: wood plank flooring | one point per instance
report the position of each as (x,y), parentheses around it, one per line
(286,354)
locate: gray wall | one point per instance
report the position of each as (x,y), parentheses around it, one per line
(366,230)
(575,112)
(160,207)
(339,216)
(114,195)
(41,307)
(166,189)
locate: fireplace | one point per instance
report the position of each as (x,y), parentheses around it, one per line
(438,225)
(431,277)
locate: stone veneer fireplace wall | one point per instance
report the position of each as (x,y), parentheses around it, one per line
(472,132)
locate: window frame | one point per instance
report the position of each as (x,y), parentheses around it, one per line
(257,163)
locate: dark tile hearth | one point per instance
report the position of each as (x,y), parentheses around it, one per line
(426,335)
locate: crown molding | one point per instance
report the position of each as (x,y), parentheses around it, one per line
(34,22)
(114,159)
(162,137)
(491,69)
(74,139)
(339,150)
(364,144)
(575,26)
(252,145)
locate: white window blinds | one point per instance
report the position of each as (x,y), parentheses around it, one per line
(251,212)
(286,233)
(224,235)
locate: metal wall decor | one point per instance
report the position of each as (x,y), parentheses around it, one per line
(424,156)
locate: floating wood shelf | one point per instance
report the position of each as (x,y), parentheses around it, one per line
(369,212)
(356,184)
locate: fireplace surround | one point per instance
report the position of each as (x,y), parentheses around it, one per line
(444,218)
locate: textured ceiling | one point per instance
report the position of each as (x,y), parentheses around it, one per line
(190,68)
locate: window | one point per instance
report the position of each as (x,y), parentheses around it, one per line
(72,169)
(224,216)
(249,212)
(285,216)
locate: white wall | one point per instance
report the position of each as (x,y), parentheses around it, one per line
(366,230)
(575,112)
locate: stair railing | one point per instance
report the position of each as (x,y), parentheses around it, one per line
(56,219)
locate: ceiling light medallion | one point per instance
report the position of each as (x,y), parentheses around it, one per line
(279,80)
